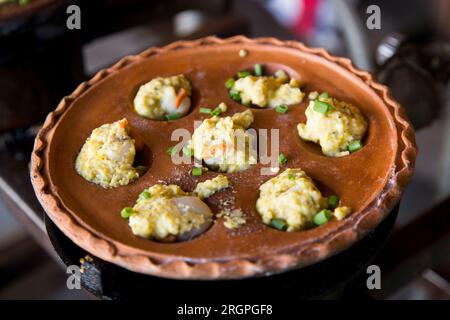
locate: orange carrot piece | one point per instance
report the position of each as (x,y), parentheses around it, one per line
(211,152)
(180,97)
(123,124)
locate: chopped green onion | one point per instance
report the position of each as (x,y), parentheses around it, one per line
(333,201)
(205,110)
(354,146)
(187,151)
(279,224)
(282,158)
(290,176)
(235,95)
(323,95)
(196,172)
(173,116)
(126,212)
(172,151)
(229,83)
(141,168)
(259,71)
(282,108)
(243,74)
(216,111)
(322,217)
(145,195)
(322,107)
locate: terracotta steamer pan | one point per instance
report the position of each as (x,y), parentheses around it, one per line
(370,180)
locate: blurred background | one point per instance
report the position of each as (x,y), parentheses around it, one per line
(41,61)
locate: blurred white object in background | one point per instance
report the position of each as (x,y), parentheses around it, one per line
(327,34)
(313,21)
(354,32)
(287,12)
(388,47)
(188,21)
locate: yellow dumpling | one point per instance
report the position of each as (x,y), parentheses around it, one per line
(268,91)
(335,126)
(107,156)
(224,143)
(163,211)
(162,97)
(293,197)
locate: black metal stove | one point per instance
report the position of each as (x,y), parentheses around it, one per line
(326,279)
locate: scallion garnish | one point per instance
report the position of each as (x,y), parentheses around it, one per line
(145,195)
(126,212)
(187,152)
(229,83)
(322,107)
(205,110)
(282,108)
(259,70)
(279,224)
(355,146)
(282,158)
(171,151)
(235,95)
(173,116)
(141,168)
(196,172)
(323,95)
(333,202)
(216,111)
(322,217)
(243,74)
